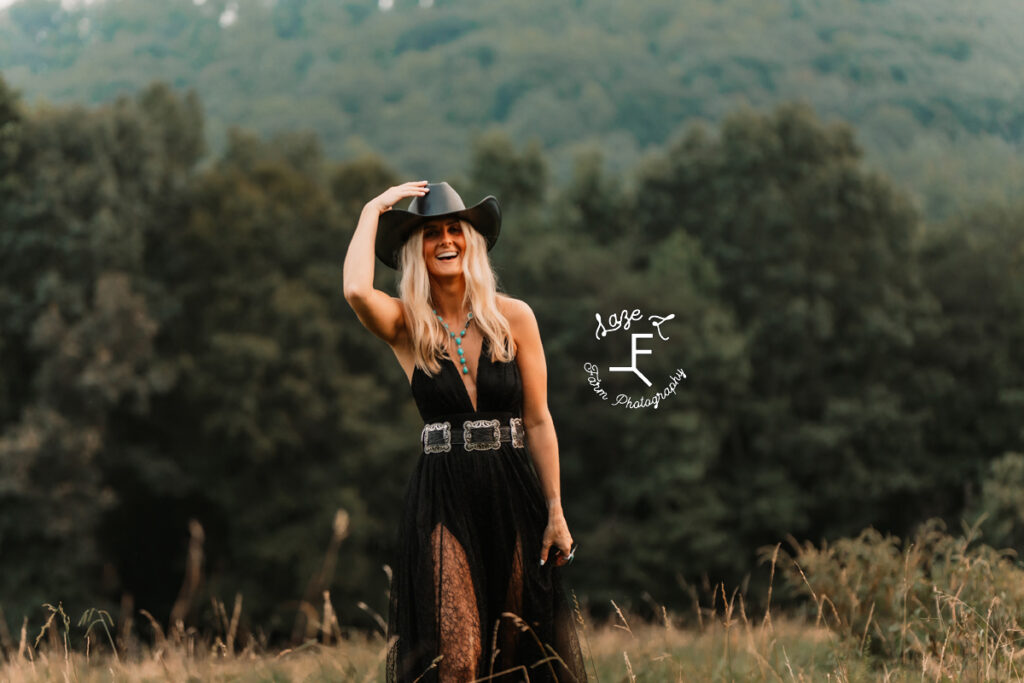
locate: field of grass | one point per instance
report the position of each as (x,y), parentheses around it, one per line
(736,649)
(935,607)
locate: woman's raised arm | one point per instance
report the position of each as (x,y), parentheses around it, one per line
(379,312)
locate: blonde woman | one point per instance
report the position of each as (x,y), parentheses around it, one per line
(483,536)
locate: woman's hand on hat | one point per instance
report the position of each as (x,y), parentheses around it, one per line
(391,196)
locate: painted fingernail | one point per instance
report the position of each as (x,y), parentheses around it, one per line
(542,563)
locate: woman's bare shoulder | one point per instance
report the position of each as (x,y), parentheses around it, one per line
(512,307)
(519,315)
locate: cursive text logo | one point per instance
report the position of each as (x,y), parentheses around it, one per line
(622,321)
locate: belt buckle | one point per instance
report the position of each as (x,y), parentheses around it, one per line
(481,435)
(517,432)
(437,437)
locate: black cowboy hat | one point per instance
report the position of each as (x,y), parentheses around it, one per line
(396,225)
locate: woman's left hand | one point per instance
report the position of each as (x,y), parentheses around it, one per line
(556,537)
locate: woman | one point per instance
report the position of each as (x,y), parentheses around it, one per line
(477,588)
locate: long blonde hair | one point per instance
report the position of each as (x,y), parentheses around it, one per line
(428,336)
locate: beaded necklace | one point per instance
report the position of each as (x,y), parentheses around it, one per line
(458,339)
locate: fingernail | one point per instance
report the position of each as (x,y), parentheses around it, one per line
(542,563)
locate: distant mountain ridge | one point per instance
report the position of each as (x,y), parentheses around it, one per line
(933,88)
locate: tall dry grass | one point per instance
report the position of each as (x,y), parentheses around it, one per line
(936,608)
(947,606)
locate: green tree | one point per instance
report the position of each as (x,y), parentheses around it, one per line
(974,267)
(817,261)
(81,190)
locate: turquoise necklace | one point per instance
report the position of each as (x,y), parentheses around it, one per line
(458,339)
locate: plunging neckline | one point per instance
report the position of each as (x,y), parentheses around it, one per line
(476,382)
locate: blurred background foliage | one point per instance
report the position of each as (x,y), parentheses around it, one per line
(932,86)
(849,297)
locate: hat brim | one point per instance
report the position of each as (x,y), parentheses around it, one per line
(395,226)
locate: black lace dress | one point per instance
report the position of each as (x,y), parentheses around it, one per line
(469,598)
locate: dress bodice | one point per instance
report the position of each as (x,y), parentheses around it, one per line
(499,388)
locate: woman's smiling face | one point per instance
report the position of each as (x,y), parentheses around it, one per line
(444,245)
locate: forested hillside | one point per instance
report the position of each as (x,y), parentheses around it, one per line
(176,347)
(181,378)
(932,86)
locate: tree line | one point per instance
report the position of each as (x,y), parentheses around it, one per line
(176,347)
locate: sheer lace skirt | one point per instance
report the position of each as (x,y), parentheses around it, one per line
(469,598)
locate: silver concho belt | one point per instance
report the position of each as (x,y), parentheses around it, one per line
(475,435)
